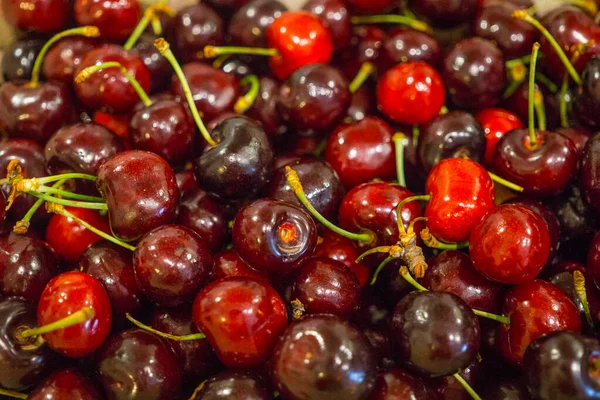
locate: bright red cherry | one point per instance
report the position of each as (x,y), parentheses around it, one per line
(43,16)
(116,19)
(411,93)
(496,122)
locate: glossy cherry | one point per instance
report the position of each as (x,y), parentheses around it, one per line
(18,59)
(445,12)
(344,250)
(66,384)
(396,383)
(104,15)
(229,263)
(43,16)
(248,25)
(589,178)
(336,16)
(496,122)
(264,109)
(578,135)
(65,56)
(366,45)
(160,70)
(409,45)
(194,27)
(238,385)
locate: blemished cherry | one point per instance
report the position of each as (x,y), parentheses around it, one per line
(452,271)
(241,319)
(196,357)
(66,384)
(535,308)
(411,93)
(445,12)
(65,56)
(436,333)
(160,70)
(410,45)
(135,363)
(314,97)
(171,264)
(589,178)
(21,368)
(248,25)
(394,383)
(112,265)
(336,16)
(520,235)
(18,59)
(322,356)
(42,16)
(496,122)
(229,263)
(362,151)
(140,191)
(104,14)
(273,236)
(66,294)
(27,264)
(68,238)
(572,375)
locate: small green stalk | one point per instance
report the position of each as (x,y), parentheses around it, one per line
(379,269)
(244,103)
(64,193)
(179,338)
(392,19)
(215,51)
(366,70)
(69,203)
(399,143)
(505,182)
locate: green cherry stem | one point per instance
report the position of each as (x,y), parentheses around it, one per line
(423,197)
(70,203)
(87,31)
(296,186)
(431,241)
(466,386)
(581,293)
(72,175)
(540,109)
(22,226)
(399,142)
(564,87)
(544,80)
(64,193)
(215,51)
(179,338)
(78,317)
(530,94)
(392,19)
(379,268)
(366,70)
(13,394)
(380,249)
(246,101)
(150,17)
(506,183)
(164,48)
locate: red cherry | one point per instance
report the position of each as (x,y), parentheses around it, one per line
(496,122)
(116,19)
(411,93)
(70,239)
(66,294)
(510,245)
(300,38)
(344,250)
(370,6)
(535,308)
(241,319)
(43,16)
(462,193)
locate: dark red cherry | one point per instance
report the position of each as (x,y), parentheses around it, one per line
(436,333)
(300,38)
(453,272)
(473,70)
(362,151)
(520,235)
(409,45)
(394,383)
(496,122)
(34,112)
(273,236)
(112,266)
(66,384)
(241,319)
(171,264)
(67,293)
(235,385)
(445,12)
(65,56)
(43,16)
(344,250)
(21,368)
(135,363)
(362,103)
(593,258)
(554,159)
(508,390)
(411,93)
(366,45)
(448,387)
(322,356)
(159,67)
(229,263)
(455,134)
(193,28)
(18,58)
(535,308)
(578,135)
(589,178)
(314,97)
(336,16)
(586,104)
(141,193)
(116,19)
(264,109)
(248,25)
(240,164)
(69,238)
(27,264)
(186,181)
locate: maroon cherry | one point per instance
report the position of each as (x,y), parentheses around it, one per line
(43,16)
(229,263)
(66,384)
(104,14)
(410,45)
(344,250)
(578,135)
(65,57)
(186,181)
(160,70)
(264,109)
(395,383)
(589,179)
(248,25)
(445,12)
(18,59)
(238,385)
(336,16)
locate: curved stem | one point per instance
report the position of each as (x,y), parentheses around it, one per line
(431,241)
(366,69)
(64,193)
(466,386)
(197,390)
(564,116)
(296,186)
(78,317)
(246,101)
(408,277)
(70,203)
(380,249)
(399,142)
(392,19)
(379,269)
(13,394)
(87,72)
(411,227)
(87,31)
(150,16)
(424,197)
(506,183)
(581,293)
(500,318)
(73,175)
(544,80)
(179,338)
(215,51)
(22,226)
(540,109)
(530,94)
(521,60)
(164,48)
(511,88)
(156,25)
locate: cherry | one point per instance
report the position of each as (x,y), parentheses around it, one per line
(171,264)
(43,16)
(70,239)
(103,14)
(273,236)
(112,266)
(336,16)
(18,59)
(366,46)
(248,25)
(578,135)
(241,319)
(229,263)
(508,390)
(395,383)
(445,12)
(321,356)
(496,122)
(65,57)
(520,235)
(160,70)
(436,333)
(66,384)
(473,70)
(140,191)
(362,103)
(205,216)
(411,93)
(410,45)
(361,151)
(314,97)
(186,181)
(587,96)
(27,264)
(589,178)
(264,109)
(65,295)
(450,387)
(135,363)
(572,375)
(455,134)
(239,385)
(240,165)
(22,367)
(339,248)
(535,308)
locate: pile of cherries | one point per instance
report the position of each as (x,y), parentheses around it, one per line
(364,199)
